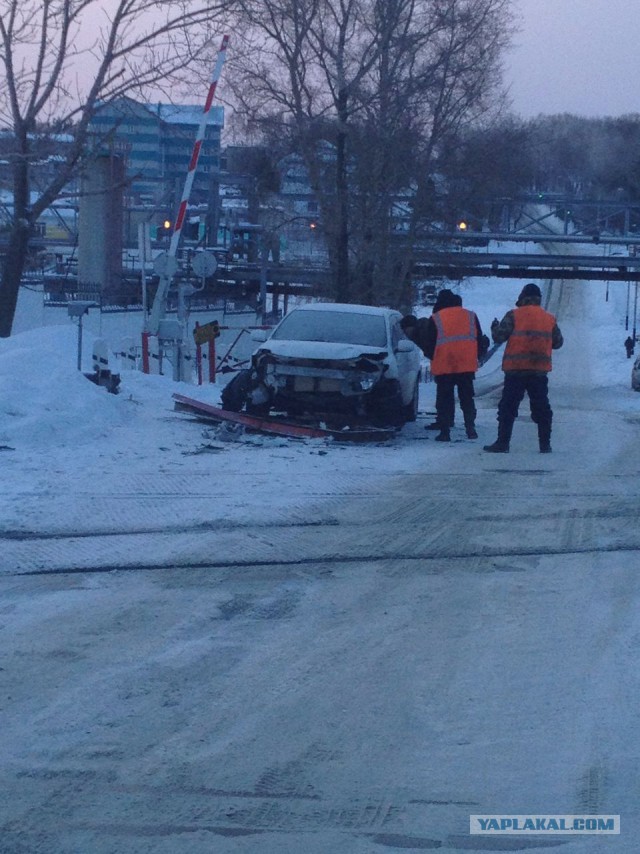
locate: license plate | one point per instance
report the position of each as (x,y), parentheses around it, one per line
(315,384)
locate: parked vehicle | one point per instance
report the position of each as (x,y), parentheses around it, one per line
(635,375)
(429,294)
(337,361)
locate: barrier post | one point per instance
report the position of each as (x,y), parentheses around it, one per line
(159,303)
(198,356)
(212,360)
(145,352)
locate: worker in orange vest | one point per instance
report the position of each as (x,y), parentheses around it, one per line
(531,334)
(453,342)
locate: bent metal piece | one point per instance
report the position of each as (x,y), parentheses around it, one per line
(280,428)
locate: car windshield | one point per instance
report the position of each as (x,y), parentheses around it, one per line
(336,327)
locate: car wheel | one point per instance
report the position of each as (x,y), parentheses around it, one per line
(386,409)
(236,392)
(257,409)
(411,409)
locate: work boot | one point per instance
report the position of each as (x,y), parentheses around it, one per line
(498,447)
(434,426)
(501,445)
(471,431)
(544,438)
(444,435)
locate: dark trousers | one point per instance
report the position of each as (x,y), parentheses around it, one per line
(446,385)
(515,387)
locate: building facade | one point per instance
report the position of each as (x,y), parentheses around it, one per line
(157,142)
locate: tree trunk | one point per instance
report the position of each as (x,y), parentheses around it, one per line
(12,268)
(342,199)
(16,253)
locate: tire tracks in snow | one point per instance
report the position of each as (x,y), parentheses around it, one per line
(426,526)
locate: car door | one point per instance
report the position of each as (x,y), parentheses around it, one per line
(407,357)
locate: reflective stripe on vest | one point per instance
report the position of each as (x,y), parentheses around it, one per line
(529,345)
(457,343)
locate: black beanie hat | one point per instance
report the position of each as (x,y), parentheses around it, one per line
(530,291)
(408,321)
(445,299)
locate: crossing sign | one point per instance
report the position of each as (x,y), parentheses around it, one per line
(206,332)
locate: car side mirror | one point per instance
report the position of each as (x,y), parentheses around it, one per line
(405,346)
(259,335)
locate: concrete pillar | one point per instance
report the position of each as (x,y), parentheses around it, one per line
(100,224)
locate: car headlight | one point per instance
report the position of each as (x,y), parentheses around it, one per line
(272,377)
(367,382)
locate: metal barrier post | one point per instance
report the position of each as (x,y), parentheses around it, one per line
(145,352)
(212,360)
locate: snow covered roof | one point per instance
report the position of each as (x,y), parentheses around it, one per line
(186,114)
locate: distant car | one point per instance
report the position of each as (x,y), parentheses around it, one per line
(429,294)
(333,359)
(635,375)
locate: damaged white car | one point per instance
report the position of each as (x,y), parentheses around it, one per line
(337,361)
(635,375)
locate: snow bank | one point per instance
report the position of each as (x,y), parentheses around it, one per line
(44,399)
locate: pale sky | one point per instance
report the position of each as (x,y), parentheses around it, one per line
(575,56)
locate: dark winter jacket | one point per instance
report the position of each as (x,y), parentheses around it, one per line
(502,330)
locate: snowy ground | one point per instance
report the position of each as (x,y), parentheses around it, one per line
(247,644)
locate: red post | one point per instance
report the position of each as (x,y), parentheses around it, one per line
(145,352)
(199,363)
(198,359)
(212,360)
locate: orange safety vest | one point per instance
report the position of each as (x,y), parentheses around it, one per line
(456,349)
(529,345)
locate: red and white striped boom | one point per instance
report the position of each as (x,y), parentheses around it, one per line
(157,310)
(215,76)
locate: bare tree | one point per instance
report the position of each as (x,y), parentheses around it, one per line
(483,167)
(305,61)
(59,60)
(384,82)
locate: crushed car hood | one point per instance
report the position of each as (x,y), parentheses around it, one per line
(321,350)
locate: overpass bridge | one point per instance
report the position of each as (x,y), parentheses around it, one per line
(614,256)
(463,264)
(252,282)
(603,255)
